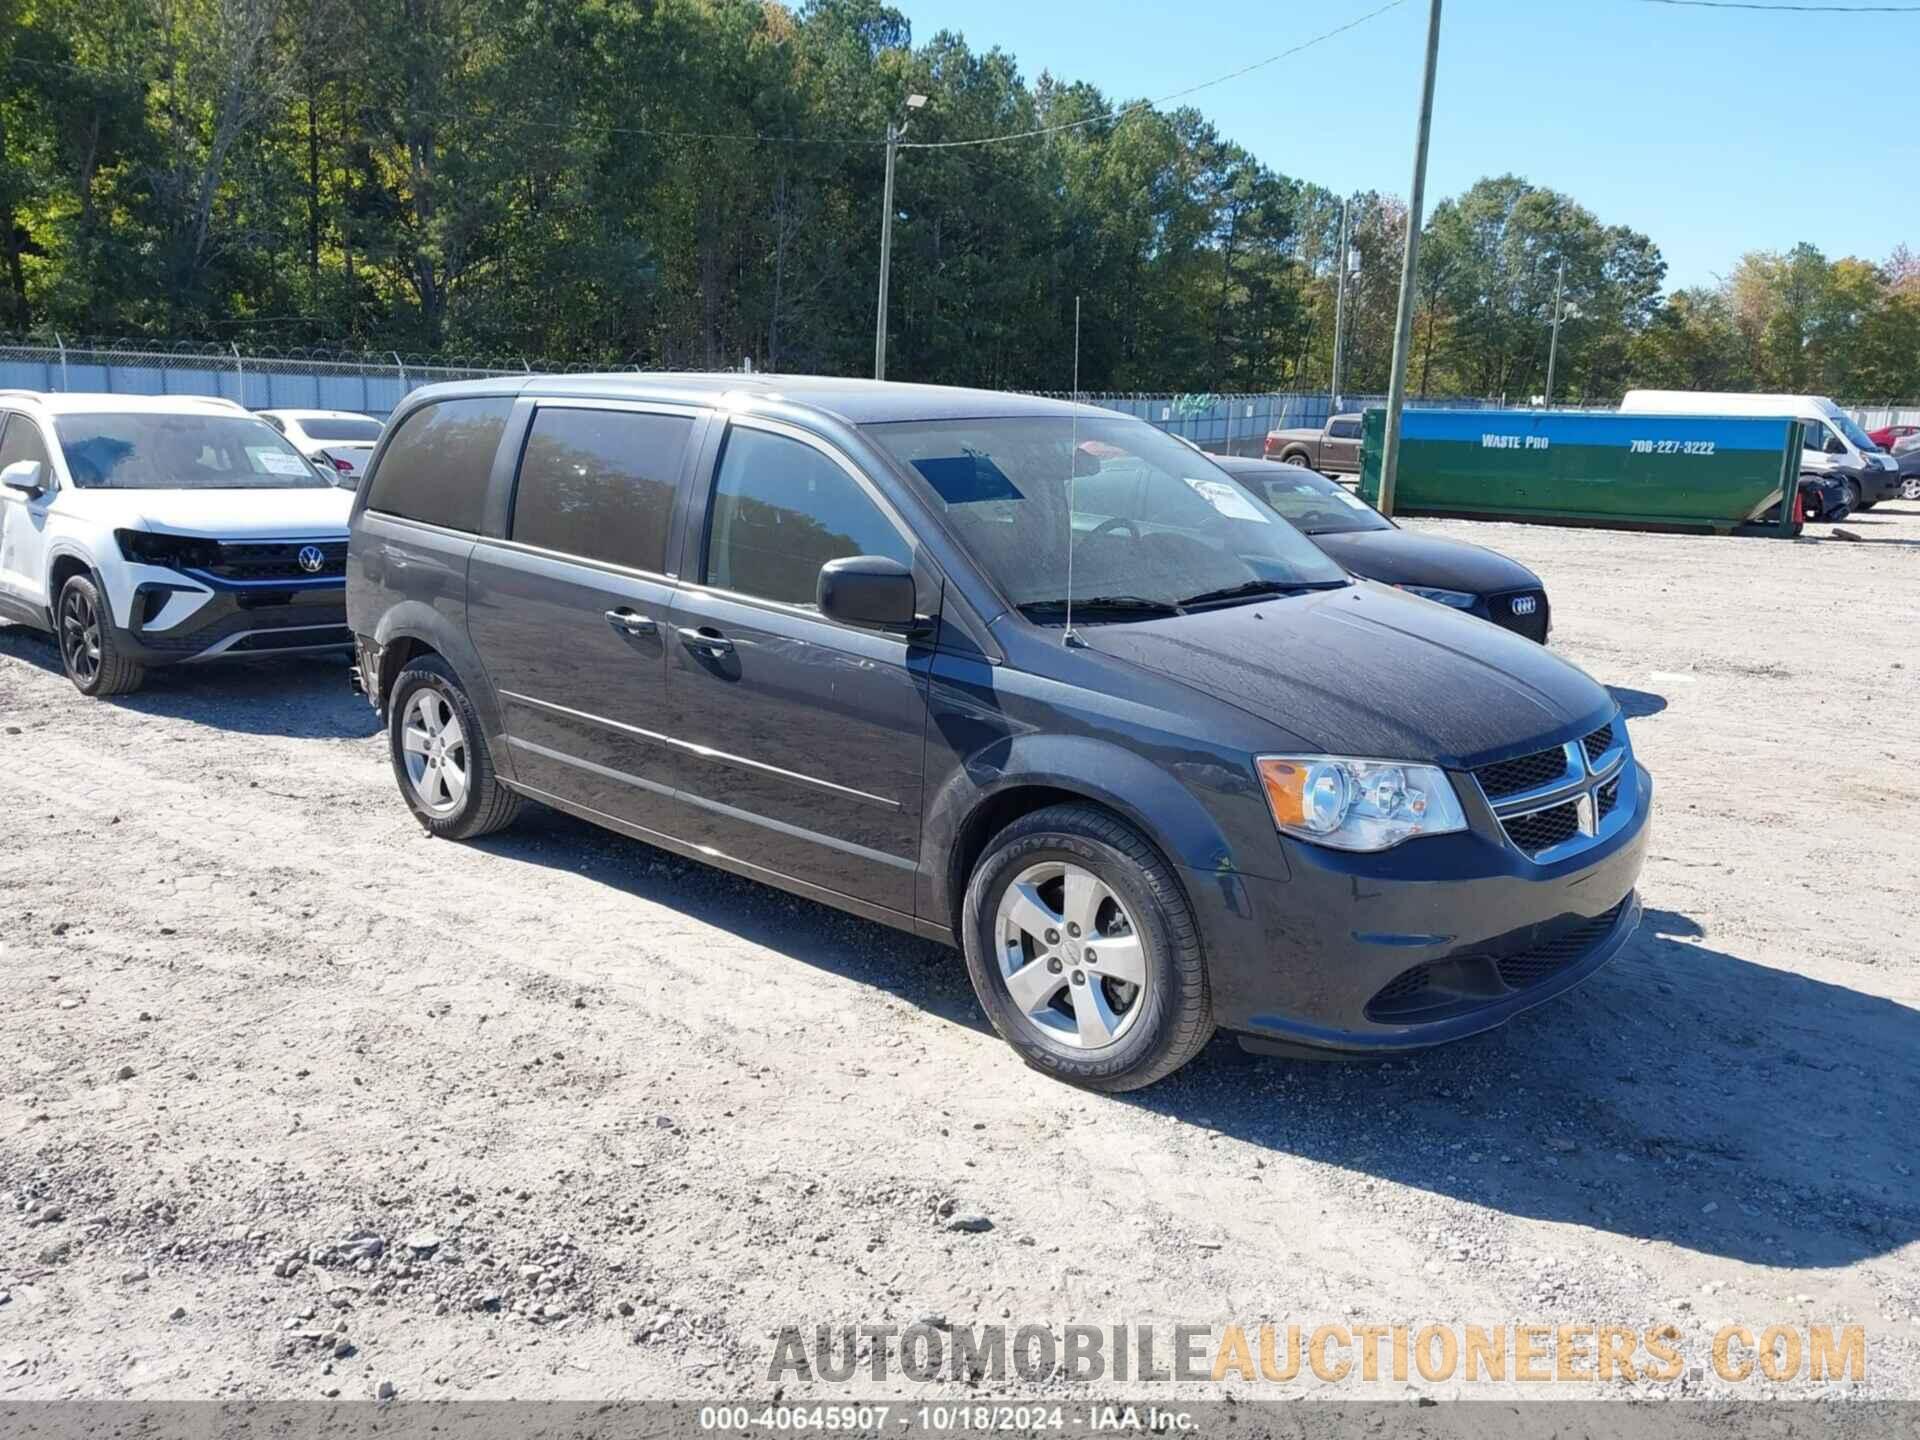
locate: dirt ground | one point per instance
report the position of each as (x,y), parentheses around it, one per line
(297,1102)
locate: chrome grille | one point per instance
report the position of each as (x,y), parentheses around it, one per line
(1598,743)
(1544,829)
(1552,803)
(1528,772)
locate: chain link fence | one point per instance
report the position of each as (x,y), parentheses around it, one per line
(370,383)
(375,383)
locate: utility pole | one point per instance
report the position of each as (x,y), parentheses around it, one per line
(1340,306)
(1553,349)
(1409,267)
(895,129)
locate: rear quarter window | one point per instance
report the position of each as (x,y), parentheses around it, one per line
(437,466)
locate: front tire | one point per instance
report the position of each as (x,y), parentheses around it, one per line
(1853,497)
(1910,488)
(1084,951)
(83,628)
(440,755)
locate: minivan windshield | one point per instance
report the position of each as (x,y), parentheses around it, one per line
(160,451)
(1156,528)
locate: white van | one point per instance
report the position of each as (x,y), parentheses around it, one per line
(1836,445)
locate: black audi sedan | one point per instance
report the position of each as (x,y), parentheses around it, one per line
(1466,577)
(1028,678)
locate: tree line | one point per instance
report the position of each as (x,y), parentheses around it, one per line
(694,183)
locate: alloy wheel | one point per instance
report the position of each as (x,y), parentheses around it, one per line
(1910,488)
(1071,958)
(435,749)
(80,635)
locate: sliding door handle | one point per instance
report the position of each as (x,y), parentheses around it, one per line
(705,642)
(632,622)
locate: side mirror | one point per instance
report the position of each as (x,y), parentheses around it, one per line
(26,476)
(867,590)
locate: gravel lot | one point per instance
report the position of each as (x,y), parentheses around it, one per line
(298,1102)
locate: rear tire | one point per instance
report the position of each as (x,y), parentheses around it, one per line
(440,756)
(83,629)
(1129,1034)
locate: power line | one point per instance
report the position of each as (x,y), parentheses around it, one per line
(1125,111)
(1764,5)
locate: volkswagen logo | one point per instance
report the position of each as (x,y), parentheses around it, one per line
(1525,605)
(312,559)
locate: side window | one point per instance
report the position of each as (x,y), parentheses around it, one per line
(436,469)
(21,441)
(781,510)
(600,484)
(1344,430)
(1814,435)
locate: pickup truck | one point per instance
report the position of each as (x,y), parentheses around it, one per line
(1332,451)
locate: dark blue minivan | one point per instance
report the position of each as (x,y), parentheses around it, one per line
(1022,676)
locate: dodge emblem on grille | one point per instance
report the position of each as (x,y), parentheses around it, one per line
(1525,605)
(312,558)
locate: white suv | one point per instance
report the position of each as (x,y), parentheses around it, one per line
(154,530)
(340,442)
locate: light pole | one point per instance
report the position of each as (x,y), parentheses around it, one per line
(1340,304)
(895,129)
(1409,267)
(1553,347)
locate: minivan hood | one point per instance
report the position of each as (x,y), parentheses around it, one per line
(1372,672)
(316,513)
(1401,557)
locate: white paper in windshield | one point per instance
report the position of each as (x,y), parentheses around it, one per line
(269,461)
(1228,498)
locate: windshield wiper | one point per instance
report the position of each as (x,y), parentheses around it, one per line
(1100,607)
(1256,589)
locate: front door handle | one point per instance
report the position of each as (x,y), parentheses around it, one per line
(705,642)
(632,623)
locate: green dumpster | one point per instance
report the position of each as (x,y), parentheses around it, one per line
(1661,472)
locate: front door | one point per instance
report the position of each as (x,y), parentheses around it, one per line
(804,737)
(23,519)
(569,611)
(1340,452)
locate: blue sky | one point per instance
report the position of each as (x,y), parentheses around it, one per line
(1714,132)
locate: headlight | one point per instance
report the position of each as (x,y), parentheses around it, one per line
(177,552)
(1458,599)
(1358,804)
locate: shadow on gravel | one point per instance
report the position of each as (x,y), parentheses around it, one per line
(1685,1095)
(919,972)
(303,696)
(34,647)
(1637,704)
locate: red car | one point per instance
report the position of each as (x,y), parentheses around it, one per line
(1887,434)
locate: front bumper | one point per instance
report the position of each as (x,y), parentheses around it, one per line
(236,623)
(1428,942)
